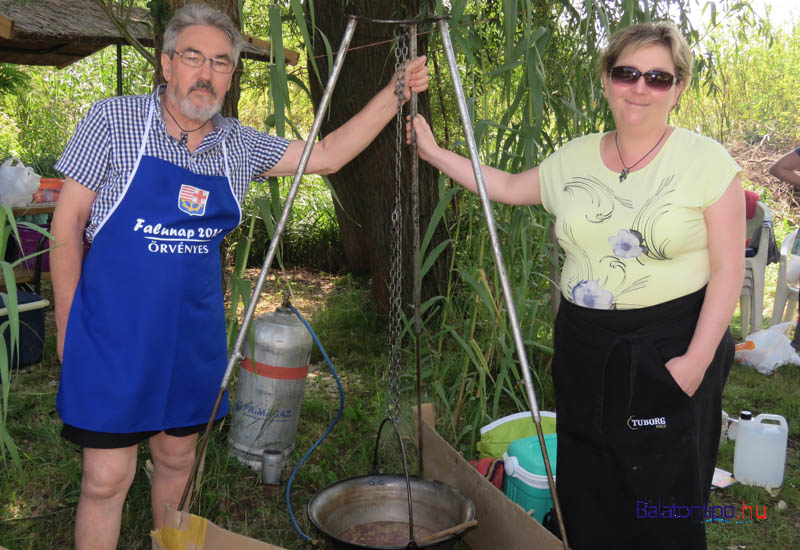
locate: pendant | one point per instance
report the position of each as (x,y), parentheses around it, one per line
(185,139)
(623,174)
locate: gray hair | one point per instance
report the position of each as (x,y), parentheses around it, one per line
(201,14)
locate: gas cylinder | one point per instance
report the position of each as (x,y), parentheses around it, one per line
(270,388)
(760,454)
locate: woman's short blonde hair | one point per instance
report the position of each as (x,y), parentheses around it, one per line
(662,33)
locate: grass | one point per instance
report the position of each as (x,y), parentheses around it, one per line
(37,510)
(778,394)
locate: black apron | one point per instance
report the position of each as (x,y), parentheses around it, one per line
(636,455)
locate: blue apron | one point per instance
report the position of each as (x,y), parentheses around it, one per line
(145,345)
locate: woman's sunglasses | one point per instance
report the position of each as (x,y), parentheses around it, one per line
(655,79)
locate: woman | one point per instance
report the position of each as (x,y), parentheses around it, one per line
(651,221)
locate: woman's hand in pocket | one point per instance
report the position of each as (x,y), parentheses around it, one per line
(687,373)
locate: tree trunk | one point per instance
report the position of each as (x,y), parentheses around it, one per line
(162,10)
(366,186)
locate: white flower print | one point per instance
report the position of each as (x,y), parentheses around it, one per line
(589,294)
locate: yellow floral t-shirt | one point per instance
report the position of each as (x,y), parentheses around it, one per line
(638,242)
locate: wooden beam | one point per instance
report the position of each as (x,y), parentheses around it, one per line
(6,27)
(291,56)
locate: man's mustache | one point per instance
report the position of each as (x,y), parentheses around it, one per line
(203,85)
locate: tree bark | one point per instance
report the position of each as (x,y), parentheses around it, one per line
(366,186)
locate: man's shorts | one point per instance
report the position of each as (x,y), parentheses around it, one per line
(106,440)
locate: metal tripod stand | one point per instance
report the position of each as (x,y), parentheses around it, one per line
(236,354)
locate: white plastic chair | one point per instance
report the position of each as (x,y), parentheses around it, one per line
(787,287)
(751,299)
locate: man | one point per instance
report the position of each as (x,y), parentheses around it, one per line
(141,332)
(787,168)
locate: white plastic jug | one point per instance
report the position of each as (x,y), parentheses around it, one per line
(760,454)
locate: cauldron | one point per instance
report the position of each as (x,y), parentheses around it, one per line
(372,512)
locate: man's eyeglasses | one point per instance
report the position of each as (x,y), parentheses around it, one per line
(195,59)
(655,80)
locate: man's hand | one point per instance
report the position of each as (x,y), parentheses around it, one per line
(416,77)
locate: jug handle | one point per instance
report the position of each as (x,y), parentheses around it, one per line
(778,418)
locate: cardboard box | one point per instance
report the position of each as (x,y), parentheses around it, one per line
(502,524)
(185,531)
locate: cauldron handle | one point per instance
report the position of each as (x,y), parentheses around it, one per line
(412,545)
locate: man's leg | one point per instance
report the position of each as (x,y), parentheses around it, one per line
(796,339)
(107,476)
(172,463)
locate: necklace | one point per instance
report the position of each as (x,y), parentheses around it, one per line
(627,169)
(184,133)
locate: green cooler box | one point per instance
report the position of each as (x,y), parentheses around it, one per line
(525,477)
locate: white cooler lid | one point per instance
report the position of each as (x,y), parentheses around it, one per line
(512,467)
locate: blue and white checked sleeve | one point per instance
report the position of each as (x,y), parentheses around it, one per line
(264,150)
(86,157)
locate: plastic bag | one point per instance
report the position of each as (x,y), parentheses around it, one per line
(18,183)
(766,350)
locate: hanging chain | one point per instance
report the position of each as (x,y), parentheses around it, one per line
(395,267)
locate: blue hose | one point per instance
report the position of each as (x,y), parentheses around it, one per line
(324,435)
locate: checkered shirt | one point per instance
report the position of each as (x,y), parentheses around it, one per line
(102,152)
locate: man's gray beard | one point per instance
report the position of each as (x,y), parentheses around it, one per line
(192,112)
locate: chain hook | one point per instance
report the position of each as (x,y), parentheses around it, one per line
(395,267)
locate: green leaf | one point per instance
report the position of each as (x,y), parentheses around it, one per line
(456,11)
(479,289)
(431,258)
(509,26)
(308,39)
(279,89)
(328,52)
(8,444)
(300,84)
(445,198)
(430,302)
(459,40)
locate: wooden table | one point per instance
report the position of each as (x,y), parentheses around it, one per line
(30,210)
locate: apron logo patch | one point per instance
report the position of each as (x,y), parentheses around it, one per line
(192,200)
(636,423)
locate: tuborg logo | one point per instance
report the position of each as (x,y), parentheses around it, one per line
(657,422)
(192,200)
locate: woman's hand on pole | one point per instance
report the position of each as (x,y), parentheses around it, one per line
(501,186)
(426,143)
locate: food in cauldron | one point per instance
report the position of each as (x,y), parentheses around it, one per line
(383,533)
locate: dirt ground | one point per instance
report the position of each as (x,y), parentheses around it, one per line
(755,160)
(305,288)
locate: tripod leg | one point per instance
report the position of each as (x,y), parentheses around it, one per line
(501,269)
(236,354)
